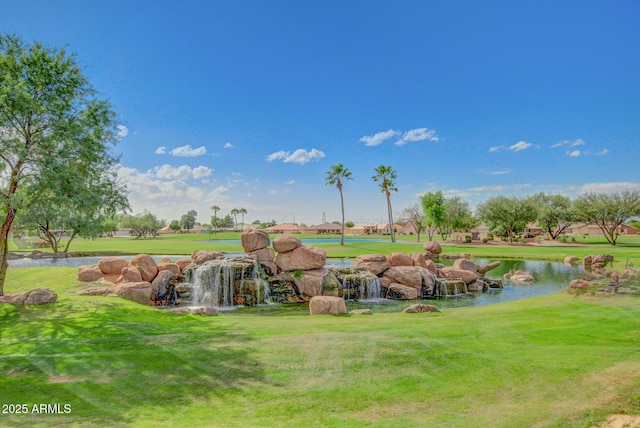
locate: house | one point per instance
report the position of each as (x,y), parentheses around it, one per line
(325,228)
(285,228)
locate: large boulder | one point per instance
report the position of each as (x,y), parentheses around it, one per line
(172,267)
(201,256)
(129,274)
(284,243)
(401,292)
(183,263)
(262,255)
(571,260)
(465,275)
(302,258)
(376,263)
(419,260)
(409,276)
(95,291)
(207,311)
(162,280)
(38,296)
(139,292)
(486,268)
(419,308)
(146,265)
(315,282)
(327,305)
(89,273)
(431,266)
(399,259)
(112,265)
(432,248)
(253,239)
(465,264)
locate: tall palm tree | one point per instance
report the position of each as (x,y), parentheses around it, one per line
(234,212)
(387,176)
(335,177)
(242,211)
(215,210)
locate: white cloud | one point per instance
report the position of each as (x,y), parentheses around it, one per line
(418,134)
(571,143)
(501,172)
(608,187)
(229,146)
(277,155)
(161,150)
(519,146)
(291,182)
(574,153)
(187,151)
(602,152)
(300,156)
(496,149)
(123,131)
(183,172)
(379,138)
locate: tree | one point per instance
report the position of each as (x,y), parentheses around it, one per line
(507,215)
(555,213)
(175,226)
(416,216)
(142,224)
(457,216)
(214,221)
(433,205)
(387,176)
(49,115)
(608,211)
(334,178)
(234,212)
(242,212)
(188,220)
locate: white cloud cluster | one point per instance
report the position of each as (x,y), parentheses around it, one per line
(123,131)
(229,146)
(570,143)
(517,147)
(183,151)
(611,187)
(418,134)
(182,172)
(300,156)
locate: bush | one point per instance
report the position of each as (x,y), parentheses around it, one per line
(467,239)
(485,240)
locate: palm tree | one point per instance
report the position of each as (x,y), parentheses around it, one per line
(242,211)
(234,212)
(387,176)
(335,176)
(215,209)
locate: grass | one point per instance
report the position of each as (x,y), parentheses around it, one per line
(556,361)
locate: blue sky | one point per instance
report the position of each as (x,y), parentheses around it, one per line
(247,104)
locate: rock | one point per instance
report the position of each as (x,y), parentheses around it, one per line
(409,276)
(162,281)
(139,292)
(38,296)
(401,292)
(523,277)
(112,265)
(146,265)
(570,260)
(172,267)
(579,283)
(465,264)
(89,273)
(253,239)
(399,259)
(129,274)
(263,255)
(284,243)
(598,260)
(419,260)
(419,307)
(165,260)
(431,266)
(200,256)
(486,268)
(432,248)
(207,311)
(302,258)
(385,282)
(315,282)
(327,305)
(465,275)
(95,291)
(376,263)
(361,312)
(183,263)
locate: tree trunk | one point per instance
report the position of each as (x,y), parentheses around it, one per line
(342,206)
(4,247)
(393,232)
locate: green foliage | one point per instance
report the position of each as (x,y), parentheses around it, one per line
(335,176)
(188,220)
(467,239)
(143,224)
(349,223)
(387,178)
(554,213)
(608,210)
(507,215)
(416,217)
(433,206)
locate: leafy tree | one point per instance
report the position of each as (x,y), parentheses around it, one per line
(234,212)
(214,219)
(143,224)
(226,221)
(242,212)
(608,211)
(334,177)
(268,224)
(349,223)
(507,215)
(188,220)
(387,176)
(416,215)
(49,116)
(555,213)
(175,226)
(433,205)
(457,216)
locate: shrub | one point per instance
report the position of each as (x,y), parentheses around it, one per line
(485,240)
(467,239)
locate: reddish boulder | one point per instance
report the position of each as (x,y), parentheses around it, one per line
(146,265)
(327,305)
(285,243)
(89,273)
(376,263)
(253,239)
(399,259)
(112,265)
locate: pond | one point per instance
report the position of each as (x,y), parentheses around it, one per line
(549,277)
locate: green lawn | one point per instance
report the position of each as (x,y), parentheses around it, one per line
(558,361)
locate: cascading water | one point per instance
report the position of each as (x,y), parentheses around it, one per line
(359,284)
(228,281)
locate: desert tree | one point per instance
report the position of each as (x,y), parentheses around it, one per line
(608,210)
(386,176)
(335,177)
